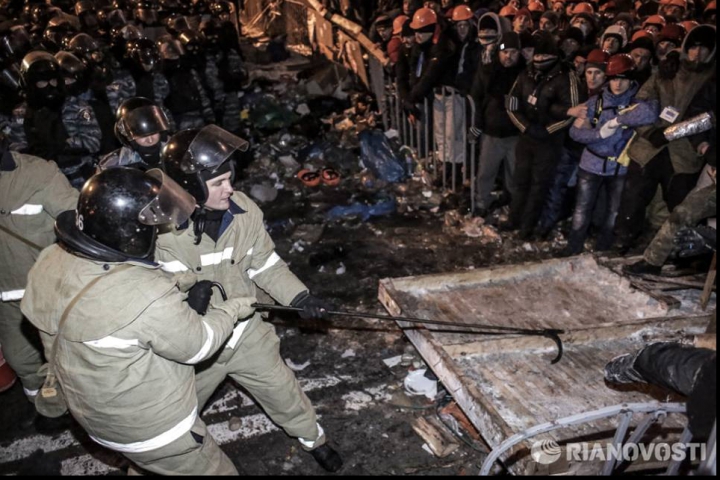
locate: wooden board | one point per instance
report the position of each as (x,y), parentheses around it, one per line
(506,384)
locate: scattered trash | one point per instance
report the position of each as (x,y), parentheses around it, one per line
(427,448)
(377,155)
(416,383)
(302,109)
(309,233)
(393,361)
(341,270)
(392,133)
(289,162)
(348,353)
(438,438)
(264,193)
(295,367)
(364,212)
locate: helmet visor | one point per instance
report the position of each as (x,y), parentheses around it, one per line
(145,121)
(171,205)
(211,147)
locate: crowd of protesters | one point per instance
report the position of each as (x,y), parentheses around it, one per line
(572,101)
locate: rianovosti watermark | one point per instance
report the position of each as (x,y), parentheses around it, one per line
(547,452)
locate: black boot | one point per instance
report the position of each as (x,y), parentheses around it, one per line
(327,458)
(642,268)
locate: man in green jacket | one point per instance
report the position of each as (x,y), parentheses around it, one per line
(674,166)
(226,242)
(118,333)
(33,192)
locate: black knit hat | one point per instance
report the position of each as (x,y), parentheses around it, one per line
(553,17)
(545,44)
(510,40)
(645,43)
(526,39)
(574,33)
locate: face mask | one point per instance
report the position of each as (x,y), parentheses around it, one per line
(545,65)
(584,28)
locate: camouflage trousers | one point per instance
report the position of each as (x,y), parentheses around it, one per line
(699,205)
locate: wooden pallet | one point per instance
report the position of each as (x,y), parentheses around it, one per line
(506,384)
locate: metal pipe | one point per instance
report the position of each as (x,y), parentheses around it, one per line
(552,334)
(620,433)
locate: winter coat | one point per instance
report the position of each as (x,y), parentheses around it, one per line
(600,155)
(677,93)
(430,67)
(126,352)
(466,61)
(489,91)
(538,103)
(243,258)
(33,192)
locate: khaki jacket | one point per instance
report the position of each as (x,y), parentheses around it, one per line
(33,192)
(243,258)
(677,93)
(126,351)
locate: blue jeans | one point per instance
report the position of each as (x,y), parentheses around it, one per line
(555,202)
(589,186)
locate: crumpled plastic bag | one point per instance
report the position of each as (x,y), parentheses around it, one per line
(365,212)
(378,156)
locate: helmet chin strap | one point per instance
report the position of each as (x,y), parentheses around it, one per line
(199,218)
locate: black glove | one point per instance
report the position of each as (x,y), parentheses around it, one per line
(692,242)
(313,307)
(199,296)
(537,132)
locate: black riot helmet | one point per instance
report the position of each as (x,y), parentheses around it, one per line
(74,72)
(57,35)
(14,44)
(139,117)
(192,157)
(42,80)
(222,9)
(88,50)
(64,5)
(142,54)
(118,213)
(146,12)
(177,24)
(193,44)
(86,11)
(212,31)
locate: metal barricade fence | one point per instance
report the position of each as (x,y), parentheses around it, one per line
(422,136)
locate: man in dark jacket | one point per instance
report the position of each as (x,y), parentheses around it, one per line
(539,105)
(674,166)
(492,84)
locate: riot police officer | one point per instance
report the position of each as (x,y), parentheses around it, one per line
(51,126)
(142,128)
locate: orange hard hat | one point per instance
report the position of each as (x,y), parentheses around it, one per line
(689,25)
(712,6)
(536,6)
(643,33)
(675,3)
(462,13)
(424,17)
(658,20)
(508,11)
(608,6)
(619,65)
(398,24)
(583,7)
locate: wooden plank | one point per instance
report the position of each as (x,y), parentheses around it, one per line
(435,434)
(506,384)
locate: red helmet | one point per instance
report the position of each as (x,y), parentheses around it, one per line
(643,33)
(398,24)
(508,11)
(536,6)
(689,25)
(711,7)
(583,7)
(620,65)
(658,20)
(675,3)
(424,17)
(462,13)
